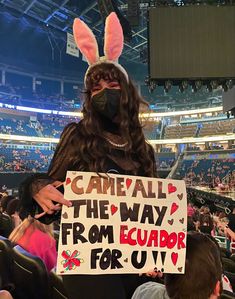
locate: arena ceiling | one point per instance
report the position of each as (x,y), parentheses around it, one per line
(59,14)
(56,17)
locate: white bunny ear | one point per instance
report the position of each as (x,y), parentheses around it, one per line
(113,38)
(86,41)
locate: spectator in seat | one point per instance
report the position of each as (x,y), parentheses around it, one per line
(5,295)
(12,210)
(231,218)
(203,271)
(206,222)
(190,210)
(5,200)
(202,278)
(36,238)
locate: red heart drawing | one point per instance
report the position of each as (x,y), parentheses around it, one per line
(128,183)
(171,188)
(180,196)
(174,207)
(171,221)
(113,209)
(174,257)
(68,181)
(181,220)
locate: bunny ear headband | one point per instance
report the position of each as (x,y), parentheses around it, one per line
(113,43)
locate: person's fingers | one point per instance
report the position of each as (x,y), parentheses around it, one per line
(59,197)
(53,207)
(48,211)
(50,199)
(49,192)
(154,273)
(57,207)
(37,216)
(57,184)
(45,209)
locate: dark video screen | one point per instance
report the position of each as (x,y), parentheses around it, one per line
(192,42)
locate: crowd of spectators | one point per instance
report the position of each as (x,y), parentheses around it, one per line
(206,171)
(165,163)
(200,129)
(166,150)
(46,126)
(25,96)
(22,160)
(16,125)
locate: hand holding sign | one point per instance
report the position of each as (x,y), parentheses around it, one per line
(122,224)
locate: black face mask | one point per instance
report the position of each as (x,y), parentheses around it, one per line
(107,102)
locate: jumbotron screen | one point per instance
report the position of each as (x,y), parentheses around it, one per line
(196,41)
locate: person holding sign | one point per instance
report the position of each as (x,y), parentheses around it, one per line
(109,139)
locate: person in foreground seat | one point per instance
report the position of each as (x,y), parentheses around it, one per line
(202,277)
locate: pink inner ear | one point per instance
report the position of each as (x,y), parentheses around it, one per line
(86,41)
(114,40)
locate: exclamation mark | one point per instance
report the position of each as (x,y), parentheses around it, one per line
(163,256)
(155,254)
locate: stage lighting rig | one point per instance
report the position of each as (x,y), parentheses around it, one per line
(150,83)
(198,84)
(183,86)
(209,87)
(152,86)
(225,87)
(230,83)
(214,84)
(232,112)
(167,85)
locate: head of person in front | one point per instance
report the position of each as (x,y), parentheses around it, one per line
(203,271)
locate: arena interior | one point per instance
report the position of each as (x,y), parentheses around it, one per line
(41,90)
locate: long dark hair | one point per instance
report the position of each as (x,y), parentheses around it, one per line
(92,151)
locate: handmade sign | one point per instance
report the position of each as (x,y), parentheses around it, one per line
(122,224)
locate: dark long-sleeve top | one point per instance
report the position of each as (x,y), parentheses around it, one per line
(84,286)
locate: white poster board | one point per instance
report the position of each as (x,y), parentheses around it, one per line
(122,224)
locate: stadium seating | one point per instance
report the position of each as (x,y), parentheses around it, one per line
(218,128)
(165,160)
(57,290)
(53,126)
(203,168)
(16,125)
(6,225)
(6,263)
(180,131)
(151,129)
(29,275)
(25,276)
(42,127)
(21,160)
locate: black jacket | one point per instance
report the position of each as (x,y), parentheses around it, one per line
(117,286)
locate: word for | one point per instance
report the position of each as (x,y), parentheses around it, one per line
(106,258)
